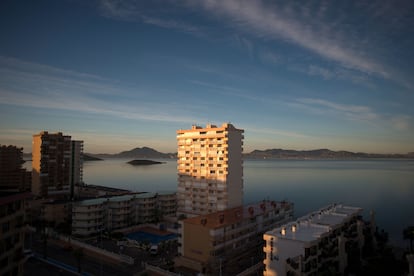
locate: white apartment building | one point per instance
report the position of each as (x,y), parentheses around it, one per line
(167,203)
(210,169)
(227,242)
(145,205)
(314,244)
(88,216)
(93,215)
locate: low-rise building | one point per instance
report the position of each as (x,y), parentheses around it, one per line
(167,203)
(314,244)
(229,241)
(110,213)
(145,206)
(88,216)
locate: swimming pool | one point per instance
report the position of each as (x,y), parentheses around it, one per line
(149,237)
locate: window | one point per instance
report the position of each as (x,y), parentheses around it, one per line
(5,227)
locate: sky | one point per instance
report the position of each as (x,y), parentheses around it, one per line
(120,74)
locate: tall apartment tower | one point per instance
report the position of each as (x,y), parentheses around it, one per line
(55,164)
(210,169)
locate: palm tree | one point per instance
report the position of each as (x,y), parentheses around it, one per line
(78,253)
(408,234)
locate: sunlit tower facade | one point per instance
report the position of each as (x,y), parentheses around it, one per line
(210,169)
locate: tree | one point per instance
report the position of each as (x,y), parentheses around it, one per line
(408,234)
(78,253)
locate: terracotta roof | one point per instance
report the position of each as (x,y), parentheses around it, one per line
(234,215)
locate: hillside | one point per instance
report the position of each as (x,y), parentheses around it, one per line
(88,157)
(317,154)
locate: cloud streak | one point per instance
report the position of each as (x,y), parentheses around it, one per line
(132,11)
(276,23)
(47,87)
(398,122)
(322,27)
(354,112)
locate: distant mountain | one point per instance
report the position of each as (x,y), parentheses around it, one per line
(144,152)
(317,154)
(87,157)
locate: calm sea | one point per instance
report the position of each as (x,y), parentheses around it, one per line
(384,186)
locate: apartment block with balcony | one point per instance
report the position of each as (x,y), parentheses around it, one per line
(167,203)
(314,244)
(111,213)
(229,241)
(210,169)
(12,231)
(118,212)
(145,205)
(88,216)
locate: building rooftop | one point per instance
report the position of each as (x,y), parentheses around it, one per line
(316,224)
(100,200)
(196,128)
(145,195)
(90,202)
(234,215)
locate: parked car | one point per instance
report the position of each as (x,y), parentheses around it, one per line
(154,249)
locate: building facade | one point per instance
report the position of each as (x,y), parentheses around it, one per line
(210,169)
(91,216)
(56,164)
(12,176)
(227,242)
(314,244)
(76,166)
(12,231)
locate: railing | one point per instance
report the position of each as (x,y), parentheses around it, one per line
(159,271)
(112,255)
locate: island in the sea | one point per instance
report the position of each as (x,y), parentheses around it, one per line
(140,162)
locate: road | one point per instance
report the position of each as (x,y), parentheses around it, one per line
(92,264)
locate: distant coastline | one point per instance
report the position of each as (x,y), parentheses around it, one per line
(325,154)
(318,154)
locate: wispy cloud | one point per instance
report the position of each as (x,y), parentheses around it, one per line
(324,28)
(334,73)
(127,10)
(398,122)
(402,122)
(269,57)
(46,87)
(228,90)
(354,112)
(277,132)
(273,22)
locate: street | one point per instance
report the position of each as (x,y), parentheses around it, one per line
(92,263)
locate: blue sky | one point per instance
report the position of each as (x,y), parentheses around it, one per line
(293,74)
